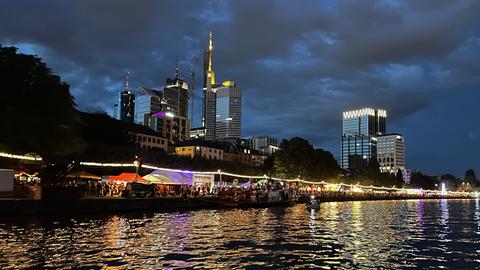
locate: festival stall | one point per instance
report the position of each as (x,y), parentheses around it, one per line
(168,177)
(83,175)
(128,177)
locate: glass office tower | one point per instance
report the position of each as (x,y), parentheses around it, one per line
(228,112)
(359,142)
(126,102)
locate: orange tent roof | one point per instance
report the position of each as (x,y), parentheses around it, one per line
(83,174)
(128,177)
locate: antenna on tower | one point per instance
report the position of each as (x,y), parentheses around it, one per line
(192,92)
(176,68)
(127,77)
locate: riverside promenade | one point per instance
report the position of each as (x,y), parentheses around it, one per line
(31,207)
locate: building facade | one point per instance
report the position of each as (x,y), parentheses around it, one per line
(197,133)
(228,123)
(126,106)
(146,138)
(209,94)
(359,132)
(200,151)
(160,111)
(391,153)
(175,93)
(149,141)
(265,145)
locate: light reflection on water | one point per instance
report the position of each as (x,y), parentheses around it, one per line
(343,235)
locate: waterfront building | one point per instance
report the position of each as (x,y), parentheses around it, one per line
(146,138)
(197,133)
(199,148)
(228,112)
(359,142)
(231,152)
(391,153)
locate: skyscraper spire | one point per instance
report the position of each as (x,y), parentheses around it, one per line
(211,74)
(127,76)
(176,68)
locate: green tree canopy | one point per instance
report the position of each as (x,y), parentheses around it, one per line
(297,157)
(38,112)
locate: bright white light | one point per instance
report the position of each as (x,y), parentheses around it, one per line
(7,155)
(169,114)
(444,189)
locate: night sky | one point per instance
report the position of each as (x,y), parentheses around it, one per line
(299,63)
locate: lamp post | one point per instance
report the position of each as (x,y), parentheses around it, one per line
(137,165)
(220,180)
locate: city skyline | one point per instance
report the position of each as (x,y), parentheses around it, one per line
(424,77)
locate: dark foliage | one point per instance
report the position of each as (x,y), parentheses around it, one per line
(38,112)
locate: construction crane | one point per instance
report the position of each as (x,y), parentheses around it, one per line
(192,92)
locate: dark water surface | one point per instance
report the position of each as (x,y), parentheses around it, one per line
(428,234)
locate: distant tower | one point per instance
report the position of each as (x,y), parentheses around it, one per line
(126,101)
(209,93)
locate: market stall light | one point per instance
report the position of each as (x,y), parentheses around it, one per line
(22,157)
(358,187)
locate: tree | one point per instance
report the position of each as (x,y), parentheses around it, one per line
(398,182)
(297,157)
(471,178)
(419,180)
(38,112)
(450,181)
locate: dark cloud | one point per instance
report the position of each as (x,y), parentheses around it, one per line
(299,65)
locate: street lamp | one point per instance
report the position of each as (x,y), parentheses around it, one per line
(137,165)
(220,173)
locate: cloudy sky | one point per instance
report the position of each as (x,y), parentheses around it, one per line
(299,63)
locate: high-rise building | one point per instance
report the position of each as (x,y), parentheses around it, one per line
(126,106)
(126,103)
(228,112)
(176,94)
(147,102)
(209,94)
(161,112)
(359,142)
(391,153)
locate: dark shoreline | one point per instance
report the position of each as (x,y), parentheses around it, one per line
(27,207)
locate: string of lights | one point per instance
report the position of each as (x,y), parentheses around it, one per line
(22,157)
(353,187)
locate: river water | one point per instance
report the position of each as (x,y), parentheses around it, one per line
(428,234)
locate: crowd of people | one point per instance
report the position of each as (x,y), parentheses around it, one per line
(266,191)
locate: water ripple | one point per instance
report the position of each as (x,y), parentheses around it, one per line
(429,234)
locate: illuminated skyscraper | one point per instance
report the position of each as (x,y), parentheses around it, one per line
(391,153)
(126,103)
(209,94)
(165,111)
(359,142)
(228,112)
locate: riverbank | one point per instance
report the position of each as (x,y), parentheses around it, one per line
(29,207)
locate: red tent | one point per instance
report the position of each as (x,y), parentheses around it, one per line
(128,177)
